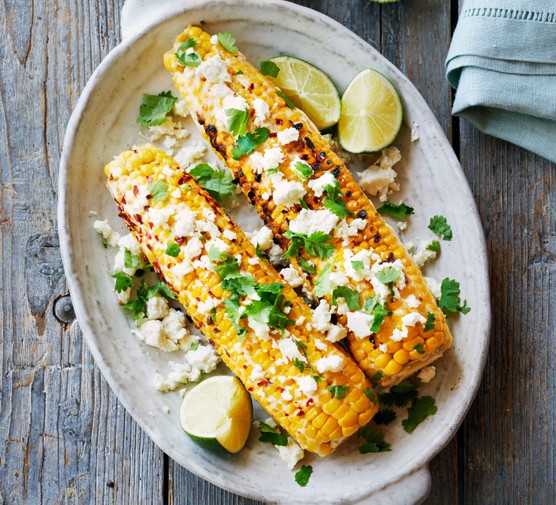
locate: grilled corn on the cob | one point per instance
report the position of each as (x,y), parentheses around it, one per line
(284,165)
(310,386)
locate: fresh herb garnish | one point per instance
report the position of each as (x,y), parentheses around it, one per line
(384,416)
(269,68)
(227,41)
(289,103)
(379,312)
(434,246)
(388,275)
(376,376)
(237,121)
(399,395)
(160,288)
(303,203)
(322,282)
(186,59)
(194,346)
(173,249)
(123,282)
(439,226)
(315,244)
(272,435)
(357,265)
(429,325)
(303,474)
(374,440)
(334,202)
(247,143)
(349,295)
(217,182)
(371,395)
(398,211)
(138,306)
(132,261)
(420,409)
(268,309)
(299,364)
(303,170)
(154,108)
(449,297)
(159,191)
(338,391)
(420,348)
(306,266)
(260,253)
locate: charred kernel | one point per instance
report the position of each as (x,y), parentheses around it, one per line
(252,86)
(298,126)
(334,318)
(211,128)
(390,258)
(258,177)
(336,172)
(279,121)
(329,162)
(235,181)
(179,240)
(376,238)
(273,135)
(315,167)
(348,194)
(362,213)
(251,195)
(372,339)
(309,142)
(304,156)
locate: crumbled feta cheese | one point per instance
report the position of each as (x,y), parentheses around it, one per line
(157,307)
(160,217)
(414,132)
(427,374)
(275,255)
(182,268)
(307,384)
(318,185)
(257,373)
(360,323)
(334,363)
(119,264)
(263,238)
(290,453)
(253,261)
(136,203)
(262,111)
(320,345)
(344,230)
(287,396)
(204,358)
(180,108)
(174,328)
(413,318)
(383,348)
(364,256)
(181,373)
(261,330)
(412,302)
(204,263)
(214,40)
(229,234)
(380,178)
(193,248)
(230,102)
(190,154)
(270,159)
(336,333)
(218,244)
(338,278)
(398,334)
(322,316)
(169,128)
(292,277)
(286,192)
(271,422)
(109,236)
(184,223)
(152,333)
(422,254)
(288,135)
(308,221)
(434,286)
(213,69)
(289,350)
(402,225)
(209,304)
(382,290)
(124,296)
(128,242)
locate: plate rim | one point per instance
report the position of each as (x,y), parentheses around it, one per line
(468,395)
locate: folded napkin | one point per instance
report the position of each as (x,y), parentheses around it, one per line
(502,62)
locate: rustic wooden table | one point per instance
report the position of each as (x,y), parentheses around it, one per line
(64,437)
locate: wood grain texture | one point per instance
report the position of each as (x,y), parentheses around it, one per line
(65,438)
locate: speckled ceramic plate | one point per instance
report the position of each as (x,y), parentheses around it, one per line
(103,124)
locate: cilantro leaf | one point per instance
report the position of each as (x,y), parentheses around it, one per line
(160,288)
(449,297)
(218,183)
(269,68)
(299,364)
(228,267)
(384,416)
(260,253)
(439,226)
(247,143)
(289,103)
(159,191)
(232,309)
(237,121)
(374,440)
(334,202)
(272,435)
(132,261)
(376,376)
(227,41)
(338,391)
(420,348)
(399,395)
(398,211)
(370,304)
(379,312)
(123,282)
(357,265)
(268,309)
(388,275)
(194,346)
(303,170)
(315,244)
(154,108)
(322,282)
(303,474)
(188,60)
(429,325)
(420,409)
(307,267)
(173,249)
(371,395)
(214,254)
(434,246)
(349,295)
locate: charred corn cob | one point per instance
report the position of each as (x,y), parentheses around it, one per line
(316,210)
(310,386)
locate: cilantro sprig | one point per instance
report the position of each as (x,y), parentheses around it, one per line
(123,282)
(303,170)
(450,301)
(334,201)
(289,103)
(349,295)
(315,244)
(384,416)
(440,227)
(144,293)
(246,144)
(159,191)
(379,312)
(399,395)
(173,249)
(397,210)
(186,59)
(307,266)
(154,108)
(429,325)
(420,409)
(228,42)
(338,391)
(269,68)
(272,435)
(217,182)
(374,440)
(237,121)
(322,282)
(303,475)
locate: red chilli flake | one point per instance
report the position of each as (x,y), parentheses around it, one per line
(310,401)
(179,240)
(262,383)
(135,190)
(300,413)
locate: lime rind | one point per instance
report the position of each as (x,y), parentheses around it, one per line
(371,113)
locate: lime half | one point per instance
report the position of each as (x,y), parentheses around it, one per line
(310,89)
(217,414)
(372,113)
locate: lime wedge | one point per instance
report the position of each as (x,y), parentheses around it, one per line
(309,88)
(217,414)
(372,113)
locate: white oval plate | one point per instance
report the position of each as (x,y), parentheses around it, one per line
(103,124)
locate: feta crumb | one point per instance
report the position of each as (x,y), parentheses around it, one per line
(427,374)
(262,111)
(334,363)
(128,242)
(290,453)
(204,358)
(308,221)
(253,261)
(270,159)
(383,348)
(318,185)
(213,70)
(422,254)
(263,238)
(181,373)
(360,323)
(157,307)
(413,318)
(180,108)
(289,350)
(206,306)
(193,248)
(412,302)
(124,296)
(322,316)
(434,286)
(119,264)
(160,217)
(107,233)
(174,328)
(286,192)
(320,345)
(276,255)
(414,132)
(402,225)
(229,234)
(398,334)
(307,384)
(218,244)
(336,333)
(292,277)
(184,223)
(344,230)
(257,373)
(380,178)
(288,135)
(287,396)
(214,40)
(190,154)
(261,330)
(152,333)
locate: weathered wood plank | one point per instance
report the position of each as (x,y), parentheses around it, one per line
(64,437)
